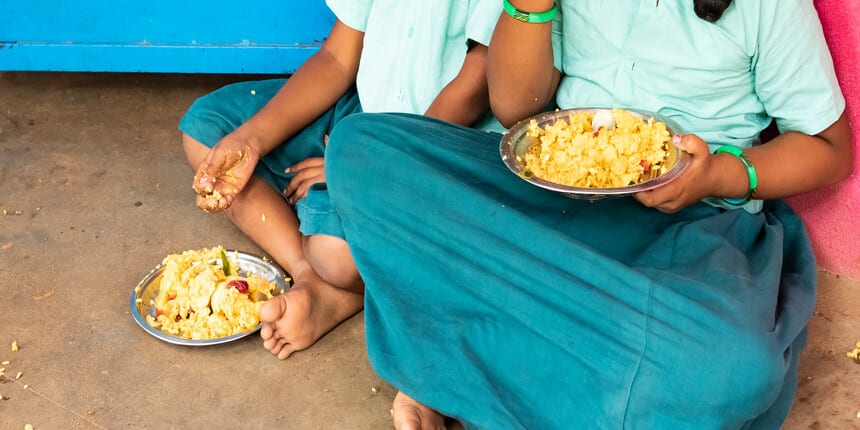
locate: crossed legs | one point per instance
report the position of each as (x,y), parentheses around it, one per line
(326,288)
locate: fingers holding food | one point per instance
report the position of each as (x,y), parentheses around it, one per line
(220,177)
(214,202)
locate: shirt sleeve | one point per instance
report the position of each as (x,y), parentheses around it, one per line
(483,16)
(353,13)
(794,74)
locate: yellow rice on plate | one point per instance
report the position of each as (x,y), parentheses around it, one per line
(197,300)
(572,153)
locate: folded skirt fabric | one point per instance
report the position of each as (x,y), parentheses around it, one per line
(507,306)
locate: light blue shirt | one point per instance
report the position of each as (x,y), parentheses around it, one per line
(763,60)
(413,49)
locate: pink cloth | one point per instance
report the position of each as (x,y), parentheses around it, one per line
(832,216)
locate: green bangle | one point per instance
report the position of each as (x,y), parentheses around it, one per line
(531,17)
(751,173)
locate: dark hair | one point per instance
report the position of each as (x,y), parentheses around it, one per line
(710,10)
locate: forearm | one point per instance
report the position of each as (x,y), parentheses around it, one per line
(520,72)
(306,95)
(313,89)
(465,99)
(791,164)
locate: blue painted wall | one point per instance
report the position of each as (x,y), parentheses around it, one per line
(184,36)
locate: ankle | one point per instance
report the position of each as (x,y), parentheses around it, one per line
(301,270)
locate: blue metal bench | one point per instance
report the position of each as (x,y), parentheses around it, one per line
(170,36)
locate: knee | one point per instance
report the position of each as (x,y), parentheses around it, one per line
(761,368)
(195,151)
(365,144)
(748,371)
(203,111)
(358,127)
(348,148)
(212,116)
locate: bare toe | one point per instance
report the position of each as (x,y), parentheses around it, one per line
(273,345)
(273,310)
(408,414)
(285,351)
(267,331)
(282,349)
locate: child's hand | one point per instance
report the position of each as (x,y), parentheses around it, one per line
(224,172)
(307,172)
(691,186)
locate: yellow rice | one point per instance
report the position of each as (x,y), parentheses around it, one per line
(194,302)
(572,153)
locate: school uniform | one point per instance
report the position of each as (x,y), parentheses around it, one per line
(411,50)
(508,306)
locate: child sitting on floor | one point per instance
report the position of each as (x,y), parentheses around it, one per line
(258,147)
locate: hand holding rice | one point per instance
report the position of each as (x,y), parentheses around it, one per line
(573,153)
(198,298)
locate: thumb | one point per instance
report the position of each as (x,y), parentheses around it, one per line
(215,163)
(691,144)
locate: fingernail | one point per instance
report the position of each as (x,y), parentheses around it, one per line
(676,139)
(287,170)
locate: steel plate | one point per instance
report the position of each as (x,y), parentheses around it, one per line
(515,142)
(147,289)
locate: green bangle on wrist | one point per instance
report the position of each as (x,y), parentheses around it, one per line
(530,17)
(751,173)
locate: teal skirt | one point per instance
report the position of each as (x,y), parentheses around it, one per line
(507,306)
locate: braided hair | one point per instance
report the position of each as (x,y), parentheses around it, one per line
(710,10)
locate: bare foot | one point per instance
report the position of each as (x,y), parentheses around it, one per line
(408,414)
(296,319)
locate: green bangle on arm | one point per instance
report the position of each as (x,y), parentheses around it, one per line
(751,173)
(530,17)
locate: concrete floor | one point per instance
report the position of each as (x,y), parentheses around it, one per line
(95,191)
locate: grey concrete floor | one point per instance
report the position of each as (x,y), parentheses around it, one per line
(95,191)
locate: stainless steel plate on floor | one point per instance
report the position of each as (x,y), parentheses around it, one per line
(144,293)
